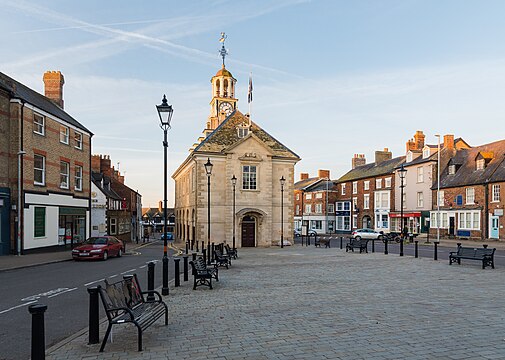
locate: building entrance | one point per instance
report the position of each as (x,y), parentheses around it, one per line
(248,231)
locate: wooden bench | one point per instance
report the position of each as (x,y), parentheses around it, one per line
(361,244)
(221,259)
(202,274)
(322,241)
(124,302)
(232,253)
(481,254)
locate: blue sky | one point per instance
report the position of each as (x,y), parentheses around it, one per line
(331,78)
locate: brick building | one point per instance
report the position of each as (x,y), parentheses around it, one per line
(124,221)
(314,201)
(366,193)
(44,168)
(471,198)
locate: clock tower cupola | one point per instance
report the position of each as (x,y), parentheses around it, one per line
(223,101)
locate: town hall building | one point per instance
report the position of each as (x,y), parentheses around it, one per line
(256,208)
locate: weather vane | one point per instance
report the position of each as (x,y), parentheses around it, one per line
(223,52)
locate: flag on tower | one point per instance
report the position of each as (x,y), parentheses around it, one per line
(249,92)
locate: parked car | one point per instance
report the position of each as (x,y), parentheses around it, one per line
(367,234)
(297,233)
(170,236)
(99,247)
(310,232)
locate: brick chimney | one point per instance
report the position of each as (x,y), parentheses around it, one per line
(304,176)
(419,140)
(95,163)
(105,166)
(411,145)
(53,86)
(383,155)
(449,141)
(358,160)
(160,206)
(323,174)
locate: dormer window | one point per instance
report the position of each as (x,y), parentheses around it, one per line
(426,153)
(409,156)
(242,131)
(452,169)
(481,164)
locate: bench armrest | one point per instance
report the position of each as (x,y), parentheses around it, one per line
(160,299)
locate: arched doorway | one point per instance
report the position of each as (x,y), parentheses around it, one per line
(248,231)
(367,222)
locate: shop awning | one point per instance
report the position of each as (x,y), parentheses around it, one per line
(405,214)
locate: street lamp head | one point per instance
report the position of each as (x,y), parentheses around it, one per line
(165,112)
(282,180)
(234,180)
(402,172)
(208,167)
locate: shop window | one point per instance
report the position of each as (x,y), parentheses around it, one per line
(39,224)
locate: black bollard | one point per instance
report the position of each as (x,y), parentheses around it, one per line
(401,246)
(484,246)
(213,249)
(38,336)
(341,240)
(185,265)
(193,255)
(435,251)
(204,252)
(177,273)
(386,247)
(197,250)
(187,246)
(373,245)
(416,252)
(150,280)
(94,317)
(203,245)
(192,245)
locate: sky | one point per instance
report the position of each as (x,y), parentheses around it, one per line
(332,78)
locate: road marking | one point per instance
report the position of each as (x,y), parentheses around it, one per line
(93,282)
(68,290)
(112,276)
(127,271)
(143,266)
(18,306)
(46,294)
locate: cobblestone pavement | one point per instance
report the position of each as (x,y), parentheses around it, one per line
(312,303)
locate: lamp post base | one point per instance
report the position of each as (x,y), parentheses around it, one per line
(164,289)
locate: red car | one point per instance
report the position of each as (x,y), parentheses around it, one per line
(99,247)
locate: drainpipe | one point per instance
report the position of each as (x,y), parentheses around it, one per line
(486,210)
(21,152)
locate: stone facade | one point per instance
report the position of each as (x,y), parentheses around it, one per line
(236,146)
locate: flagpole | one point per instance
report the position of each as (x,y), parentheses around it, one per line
(249,96)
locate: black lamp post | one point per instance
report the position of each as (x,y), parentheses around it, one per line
(283,181)
(402,172)
(234,182)
(208,170)
(165,112)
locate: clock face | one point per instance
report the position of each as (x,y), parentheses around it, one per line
(226,107)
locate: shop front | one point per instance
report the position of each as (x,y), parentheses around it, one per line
(411,220)
(72,226)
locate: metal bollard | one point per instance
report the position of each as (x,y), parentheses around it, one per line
(38,336)
(94,317)
(203,245)
(484,246)
(187,246)
(416,252)
(197,250)
(373,245)
(341,239)
(177,273)
(386,247)
(150,280)
(192,245)
(435,249)
(213,249)
(401,246)
(204,252)
(185,266)
(193,255)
